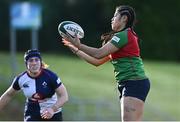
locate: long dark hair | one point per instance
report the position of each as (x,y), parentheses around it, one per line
(131,15)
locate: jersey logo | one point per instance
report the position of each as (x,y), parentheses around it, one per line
(44,84)
(115,38)
(113,62)
(26,85)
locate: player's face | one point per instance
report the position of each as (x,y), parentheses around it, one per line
(34,65)
(115,22)
(118,22)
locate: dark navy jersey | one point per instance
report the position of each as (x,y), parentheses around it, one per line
(39,91)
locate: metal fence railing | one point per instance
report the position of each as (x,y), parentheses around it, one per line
(91,110)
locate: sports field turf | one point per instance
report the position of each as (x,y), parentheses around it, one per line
(92,88)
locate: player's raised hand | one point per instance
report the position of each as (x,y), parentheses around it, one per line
(75,41)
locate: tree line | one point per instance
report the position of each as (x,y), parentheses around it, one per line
(157,25)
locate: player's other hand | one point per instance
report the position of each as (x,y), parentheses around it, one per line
(75,41)
(73,48)
(47,113)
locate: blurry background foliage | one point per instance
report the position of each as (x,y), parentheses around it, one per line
(157,25)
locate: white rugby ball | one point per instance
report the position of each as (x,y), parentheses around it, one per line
(71,28)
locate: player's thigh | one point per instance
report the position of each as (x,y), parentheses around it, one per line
(131,108)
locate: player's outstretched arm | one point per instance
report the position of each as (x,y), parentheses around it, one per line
(6,97)
(84,56)
(92,60)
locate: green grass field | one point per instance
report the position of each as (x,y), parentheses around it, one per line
(89,85)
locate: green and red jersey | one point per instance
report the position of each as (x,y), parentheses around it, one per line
(126,61)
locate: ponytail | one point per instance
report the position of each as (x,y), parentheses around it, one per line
(107,37)
(44,65)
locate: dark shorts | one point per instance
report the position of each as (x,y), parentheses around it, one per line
(134,88)
(56,117)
